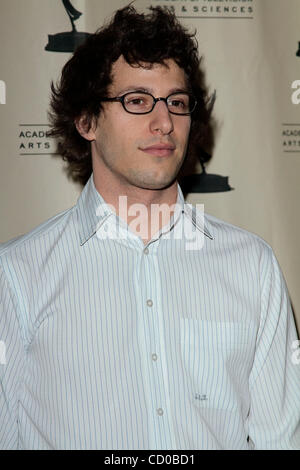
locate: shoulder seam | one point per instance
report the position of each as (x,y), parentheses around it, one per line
(211,220)
(30,236)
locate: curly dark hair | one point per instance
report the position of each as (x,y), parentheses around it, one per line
(139,38)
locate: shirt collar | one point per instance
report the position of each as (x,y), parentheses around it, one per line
(196,216)
(92,211)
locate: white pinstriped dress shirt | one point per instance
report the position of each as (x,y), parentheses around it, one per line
(109,345)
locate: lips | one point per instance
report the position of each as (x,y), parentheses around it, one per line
(159,149)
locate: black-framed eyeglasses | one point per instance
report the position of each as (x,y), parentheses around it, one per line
(138,102)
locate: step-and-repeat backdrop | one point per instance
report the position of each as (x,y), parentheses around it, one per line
(250,55)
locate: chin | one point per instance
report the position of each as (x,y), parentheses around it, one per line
(158,184)
(152,180)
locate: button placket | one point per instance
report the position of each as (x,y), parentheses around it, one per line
(150,292)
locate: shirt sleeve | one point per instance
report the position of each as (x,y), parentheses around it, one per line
(12,356)
(274,417)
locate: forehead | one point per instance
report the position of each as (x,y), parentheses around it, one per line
(148,76)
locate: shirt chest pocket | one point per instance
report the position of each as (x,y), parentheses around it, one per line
(217,358)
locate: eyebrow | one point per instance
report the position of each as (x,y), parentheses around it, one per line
(150,90)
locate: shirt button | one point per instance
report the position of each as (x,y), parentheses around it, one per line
(154,357)
(146,251)
(160,411)
(149,303)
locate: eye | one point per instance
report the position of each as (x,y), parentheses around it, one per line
(179,103)
(176,103)
(135,101)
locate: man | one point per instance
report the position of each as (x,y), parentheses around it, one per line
(175,332)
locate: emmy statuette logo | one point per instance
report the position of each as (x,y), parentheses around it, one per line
(69,41)
(205,182)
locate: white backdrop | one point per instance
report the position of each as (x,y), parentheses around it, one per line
(249,49)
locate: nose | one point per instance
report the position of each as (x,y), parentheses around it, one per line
(160,119)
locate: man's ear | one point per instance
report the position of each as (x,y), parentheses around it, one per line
(86,128)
